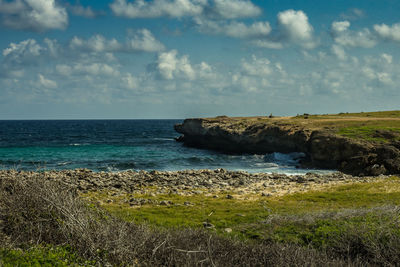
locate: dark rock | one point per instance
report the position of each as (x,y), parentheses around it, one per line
(322,148)
(208,225)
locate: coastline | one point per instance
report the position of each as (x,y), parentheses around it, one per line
(362,144)
(239,184)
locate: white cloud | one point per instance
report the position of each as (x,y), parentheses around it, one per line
(144,40)
(80,10)
(268,44)
(233,9)
(387,58)
(216,9)
(25,50)
(156,8)
(257,67)
(339,52)
(130,82)
(52,46)
(96,43)
(391,33)
(170,66)
(345,37)
(46,82)
(141,40)
(36,15)
(234,29)
(94,69)
(340,26)
(294,26)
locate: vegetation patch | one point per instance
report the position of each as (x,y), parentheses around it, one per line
(42,256)
(247,218)
(354,224)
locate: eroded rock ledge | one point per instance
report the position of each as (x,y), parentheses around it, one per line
(324,148)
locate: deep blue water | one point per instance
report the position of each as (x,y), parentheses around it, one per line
(112,145)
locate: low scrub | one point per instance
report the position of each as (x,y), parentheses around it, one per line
(39,215)
(36,211)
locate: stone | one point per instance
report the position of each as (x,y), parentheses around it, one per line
(208,225)
(164,203)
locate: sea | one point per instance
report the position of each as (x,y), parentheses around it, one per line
(119,145)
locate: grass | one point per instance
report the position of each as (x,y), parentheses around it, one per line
(353,224)
(244,217)
(382,126)
(42,256)
(35,212)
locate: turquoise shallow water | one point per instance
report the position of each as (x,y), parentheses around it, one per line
(113,145)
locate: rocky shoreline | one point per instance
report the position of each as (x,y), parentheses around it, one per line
(237,184)
(323,148)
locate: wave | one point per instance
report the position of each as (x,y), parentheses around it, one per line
(163,139)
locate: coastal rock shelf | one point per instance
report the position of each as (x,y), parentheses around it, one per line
(190,182)
(317,137)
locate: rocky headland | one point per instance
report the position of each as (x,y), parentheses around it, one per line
(375,151)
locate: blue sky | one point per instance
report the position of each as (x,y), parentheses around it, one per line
(195,58)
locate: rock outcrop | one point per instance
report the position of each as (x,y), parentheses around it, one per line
(323,148)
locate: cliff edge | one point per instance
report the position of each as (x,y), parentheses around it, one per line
(357,144)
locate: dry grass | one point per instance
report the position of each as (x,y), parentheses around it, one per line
(38,212)
(42,212)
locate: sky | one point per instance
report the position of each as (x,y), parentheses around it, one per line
(160,59)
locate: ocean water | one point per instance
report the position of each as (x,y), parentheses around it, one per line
(115,145)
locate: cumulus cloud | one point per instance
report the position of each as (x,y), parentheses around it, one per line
(233,9)
(144,40)
(157,8)
(258,74)
(294,26)
(96,43)
(257,67)
(169,66)
(339,52)
(342,35)
(79,10)
(386,32)
(36,15)
(268,44)
(387,58)
(234,29)
(94,69)
(140,40)
(25,50)
(216,9)
(42,81)
(130,82)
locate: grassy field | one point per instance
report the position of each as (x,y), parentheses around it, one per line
(352,224)
(382,126)
(247,218)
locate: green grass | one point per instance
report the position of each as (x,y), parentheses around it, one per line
(41,256)
(374,133)
(245,217)
(381,126)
